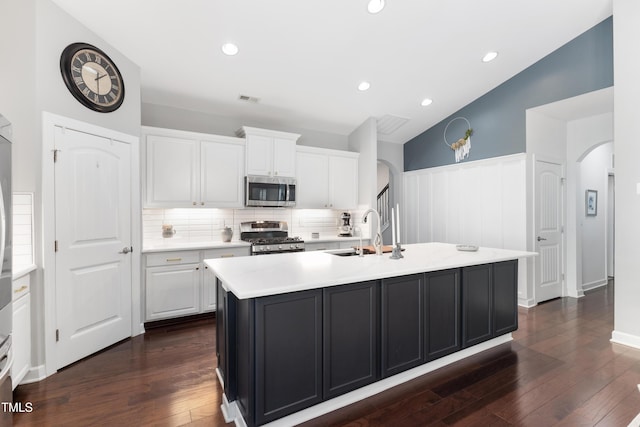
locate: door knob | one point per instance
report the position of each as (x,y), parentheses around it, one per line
(126,250)
(541,238)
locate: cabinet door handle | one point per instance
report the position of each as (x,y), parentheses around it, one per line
(174,259)
(197,268)
(201,203)
(195,203)
(227,256)
(541,238)
(20,289)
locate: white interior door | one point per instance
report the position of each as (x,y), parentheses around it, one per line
(549,228)
(93,235)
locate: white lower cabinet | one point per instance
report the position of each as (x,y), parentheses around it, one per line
(173,291)
(21,338)
(176,283)
(208,281)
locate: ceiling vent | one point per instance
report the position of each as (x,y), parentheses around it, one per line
(251,99)
(388,124)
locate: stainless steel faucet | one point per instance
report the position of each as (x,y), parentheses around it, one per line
(377,241)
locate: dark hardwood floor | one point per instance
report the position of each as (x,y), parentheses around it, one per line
(560,369)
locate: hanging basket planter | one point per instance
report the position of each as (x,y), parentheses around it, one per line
(462,146)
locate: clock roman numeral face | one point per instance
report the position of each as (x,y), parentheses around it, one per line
(95,78)
(92,77)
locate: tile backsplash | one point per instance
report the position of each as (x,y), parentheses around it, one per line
(22,231)
(207,224)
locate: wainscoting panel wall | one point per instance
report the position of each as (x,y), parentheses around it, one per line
(480,203)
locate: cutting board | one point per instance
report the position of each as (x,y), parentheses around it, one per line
(372,250)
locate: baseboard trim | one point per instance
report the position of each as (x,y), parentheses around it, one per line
(594,285)
(527,303)
(34,374)
(625,339)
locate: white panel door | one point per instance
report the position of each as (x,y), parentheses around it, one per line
(548,217)
(222,166)
(93,234)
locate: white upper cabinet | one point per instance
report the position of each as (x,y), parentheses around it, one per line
(312,186)
(269,153)
(172,178)
(188,169)
(326,178)
(222,165)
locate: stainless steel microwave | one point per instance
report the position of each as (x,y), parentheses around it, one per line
(269,191)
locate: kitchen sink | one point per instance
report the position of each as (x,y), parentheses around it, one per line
(343,252)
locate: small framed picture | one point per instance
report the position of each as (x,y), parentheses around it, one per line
(591,202)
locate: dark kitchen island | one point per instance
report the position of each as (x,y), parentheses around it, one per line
(303,334)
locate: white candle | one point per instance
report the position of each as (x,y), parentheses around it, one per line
(398,221)
(393,229)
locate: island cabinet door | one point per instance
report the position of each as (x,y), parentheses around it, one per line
(350,336)
(402,323)
(226,340)
(442,313)
(288,364)
(477,304)
(505,297)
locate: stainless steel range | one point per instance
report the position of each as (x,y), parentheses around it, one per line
(269,237)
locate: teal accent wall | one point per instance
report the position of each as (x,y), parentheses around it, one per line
(583,65)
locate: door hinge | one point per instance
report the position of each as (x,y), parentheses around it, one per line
(55,246)
(55,155)
(562,277)
(57,335)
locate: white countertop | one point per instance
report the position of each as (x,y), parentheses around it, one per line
(176,244)
(256,276)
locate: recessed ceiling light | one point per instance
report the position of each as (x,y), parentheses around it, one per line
(375,6)
(229,49)
(364,86)
(490,56)
(426,101)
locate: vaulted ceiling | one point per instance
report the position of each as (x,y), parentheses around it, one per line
(302,61)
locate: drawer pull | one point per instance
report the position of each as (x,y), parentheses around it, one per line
(174,259)
(20,289)
(227,256)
